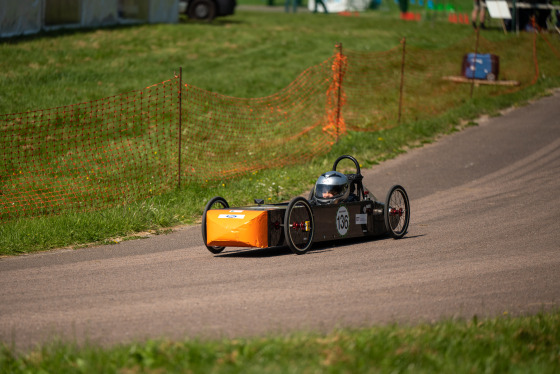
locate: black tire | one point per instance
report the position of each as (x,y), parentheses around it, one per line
(396,212)
(215,203)
(299,225)
(204,10)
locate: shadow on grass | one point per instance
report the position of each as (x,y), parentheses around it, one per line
(65,31)
(218,22)
(71,30)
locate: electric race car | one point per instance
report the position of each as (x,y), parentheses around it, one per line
(338,207)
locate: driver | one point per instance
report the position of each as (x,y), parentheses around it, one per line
(332,187)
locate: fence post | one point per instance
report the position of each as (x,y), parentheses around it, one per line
(535,60)
(403,41)
(339,90)
(474,61)
(180,121)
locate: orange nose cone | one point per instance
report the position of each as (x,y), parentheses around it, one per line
(237,228)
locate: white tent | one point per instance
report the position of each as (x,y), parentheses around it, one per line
(31,16)
(337,6)
(20,17)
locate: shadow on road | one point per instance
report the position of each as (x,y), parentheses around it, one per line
(316,248)
(265,252)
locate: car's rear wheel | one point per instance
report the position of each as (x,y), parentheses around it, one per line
(397,212)
(204,10)
(299,225)
(215,203)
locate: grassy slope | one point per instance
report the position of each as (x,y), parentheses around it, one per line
(250,54)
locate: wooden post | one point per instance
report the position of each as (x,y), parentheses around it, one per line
(339,90)
(403,41)
(475,53)
(180,122)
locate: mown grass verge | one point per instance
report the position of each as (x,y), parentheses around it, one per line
(499,345)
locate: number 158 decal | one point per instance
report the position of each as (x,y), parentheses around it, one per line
(342,220)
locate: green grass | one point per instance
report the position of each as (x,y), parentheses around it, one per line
(499,345)
(247,55)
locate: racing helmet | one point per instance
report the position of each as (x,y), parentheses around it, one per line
(331,188)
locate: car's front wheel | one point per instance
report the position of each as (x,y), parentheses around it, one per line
(204,10)
(215,203)
(397,212)
(299,225)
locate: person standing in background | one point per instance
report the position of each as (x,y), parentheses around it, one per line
(479,9)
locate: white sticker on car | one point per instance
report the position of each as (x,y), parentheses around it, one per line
(342,221)
(361,219)
(236,211)
(236,216)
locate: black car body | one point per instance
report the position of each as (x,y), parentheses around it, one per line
(302,222)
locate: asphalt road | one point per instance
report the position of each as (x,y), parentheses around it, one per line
(484,240)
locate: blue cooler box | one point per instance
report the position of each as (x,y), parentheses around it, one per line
(487,66)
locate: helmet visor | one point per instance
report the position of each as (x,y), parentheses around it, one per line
(326,191)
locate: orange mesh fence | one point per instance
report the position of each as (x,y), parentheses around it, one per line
(373,97)
(226,136)
(90,155)
(133,146)
(126,148)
